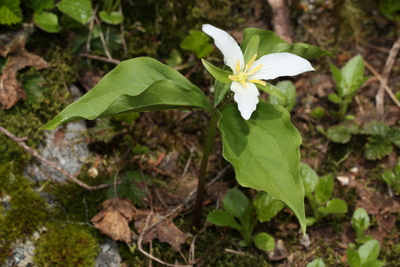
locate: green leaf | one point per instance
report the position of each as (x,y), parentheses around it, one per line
(136,85)
(318,113)
(341,133)
(377,147)
(310,221)
(267,40)
(219,74)
(309,177)
(197,42)
(335,98)
(388,177)
(335,205)
(360,221)
(10,12)
(79,10)
(375,128)
(235,202)
(223,218)
(34,90)
(272,90)
(394,136)
(303,50)
(265,153)
(373,263)
(266,206)
(114,18)
(46,21)
(220,91)
(369,251)
(286,87)
(351,73)
(338,78)
(252,48)
(353,258)
(390,8)
(39,5)
(316,263)
(324,188)
(264,241)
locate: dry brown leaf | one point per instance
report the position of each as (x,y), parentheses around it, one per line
(165,231)
(10,88)
(114,219)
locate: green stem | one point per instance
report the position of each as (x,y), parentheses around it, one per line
(203,170)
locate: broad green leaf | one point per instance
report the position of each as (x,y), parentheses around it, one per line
(286,87)
(235,202)
(324,188)
(219,74)
(272,90)
(335,98)
(220,91)
(388,177)
(303,50)
(10,12)
(264,241)
(136,85)
(252,48)
(113,18)
(316,263)
(79,10)
(264,152)
(335,205)
(353,258)
(377,147)
(267,40)
(310,178)
(341,133)
(310,221)
(375,128)
(46,21)
(352,71)
(223,218)
(369,251)
(197,42)
(373,263)
(338,78)
(360,221)
(364,239)
(266,206)
(394,136)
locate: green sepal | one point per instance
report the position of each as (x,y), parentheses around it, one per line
(219,74)
(251,48)
(272,90)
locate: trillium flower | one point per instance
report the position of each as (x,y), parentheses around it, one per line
(247,76)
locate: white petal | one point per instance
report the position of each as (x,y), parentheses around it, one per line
(280,64)
(247,98)
(227,45)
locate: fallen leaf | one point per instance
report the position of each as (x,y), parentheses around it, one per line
(114,219)
(19,58)
(166,231)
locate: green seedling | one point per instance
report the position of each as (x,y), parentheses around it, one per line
(318,192)
(365,256)
(348,81)
(360,223)
(239,214)
(316,263)
(393,178)
(381,137)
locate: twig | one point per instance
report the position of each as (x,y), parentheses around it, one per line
(21,143)
(385,75)
(280,18)
(103,41)
(108,60)
(387,88)
(140,241)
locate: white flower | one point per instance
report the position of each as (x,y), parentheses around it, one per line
(246,75)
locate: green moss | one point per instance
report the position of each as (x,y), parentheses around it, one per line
(66,246)
(25,212)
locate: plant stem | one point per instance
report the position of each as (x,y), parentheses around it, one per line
(197,213)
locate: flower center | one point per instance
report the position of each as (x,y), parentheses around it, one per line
(242,75)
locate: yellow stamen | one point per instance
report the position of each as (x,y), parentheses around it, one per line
(242,74)
(256,69)
(237,66)
(259,82)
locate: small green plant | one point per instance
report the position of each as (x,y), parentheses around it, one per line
(288,88)
(238,214)
(365,256)
(381,137)
(318,192)
(316,263)
(360,223)
(393,178)
(197,42)
(348,80)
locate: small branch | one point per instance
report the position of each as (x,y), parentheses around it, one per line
(379,78)
(108,60)
(21,143)
(385,75)
(280,19)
